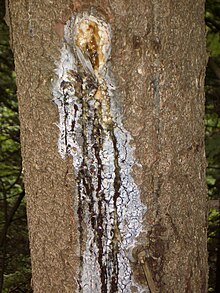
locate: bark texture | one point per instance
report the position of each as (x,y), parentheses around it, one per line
(158,61)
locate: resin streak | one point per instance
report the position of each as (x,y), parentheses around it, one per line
(109,208)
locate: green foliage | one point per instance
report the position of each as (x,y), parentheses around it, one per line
(213,136)
(213,43)
(19,279)
(213,240)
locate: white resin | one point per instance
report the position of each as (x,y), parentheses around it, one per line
(129,212)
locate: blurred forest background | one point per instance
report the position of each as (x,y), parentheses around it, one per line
(15,267)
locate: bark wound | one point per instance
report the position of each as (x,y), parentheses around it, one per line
(91,131)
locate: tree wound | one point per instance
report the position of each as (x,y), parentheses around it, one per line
(91,131)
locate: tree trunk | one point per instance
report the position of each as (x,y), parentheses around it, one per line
(111,100)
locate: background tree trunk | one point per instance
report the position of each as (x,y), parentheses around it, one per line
(158,63)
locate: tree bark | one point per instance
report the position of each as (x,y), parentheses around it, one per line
(151,100)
